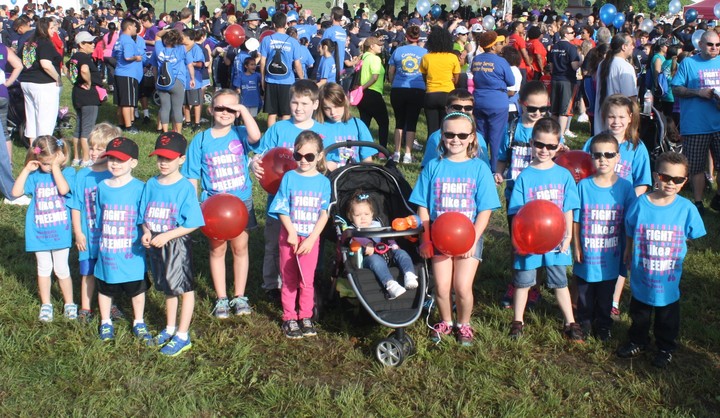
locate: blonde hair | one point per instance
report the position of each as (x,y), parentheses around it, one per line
(225,92)
(48,146)
(310,137)
(472,146)
(102,134)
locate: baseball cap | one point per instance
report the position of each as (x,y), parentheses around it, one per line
(292,18)
(170,145)
(461,30)
(414,22)
(121,148)
(477,28)
(84,36)
(218,10)
(253,16)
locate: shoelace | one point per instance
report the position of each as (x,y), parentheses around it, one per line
(465,332)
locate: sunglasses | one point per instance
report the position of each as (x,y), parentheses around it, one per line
(549,147)
(533,109)
(461,108)
(665,178)
(451,135)
(220,109)
(607,155)
(716,45)
(309,157)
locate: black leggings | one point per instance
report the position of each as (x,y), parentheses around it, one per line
(435,110)
(372,106)
(406,104)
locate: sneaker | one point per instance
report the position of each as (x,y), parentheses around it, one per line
(396,157)
(394,289)
(411,281)
(381,156)
(131,130)
(308,328)
(407,159)
(240,303)
(46,313)
(196,127)
(417,146)
(222,308)
(86,163)
(163,338)
(440,329)
(534,297)
(116,313)
(465,335)
(507,299)
(76,162)
(71,311)
(176,346)
(146,120)
(570,134)
(715,202)
(516,329)
(19,201)
(85,316)
(662,359)
(602,334)
(106,332)
(615,313)
(291,329)
(583,118)
(574,333)
(141,331)
(630,350)
(700,207)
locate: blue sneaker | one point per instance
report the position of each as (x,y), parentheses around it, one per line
(240,303)
(176,346)
(222,308)
(163,338)
(141,331)
(106,332)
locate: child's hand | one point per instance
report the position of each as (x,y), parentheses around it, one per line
(470,253)
(159,241)
(146,238)
(426,249)
(32,165)
(565,244)
(578,254)
(498,178)
(292,241)
(369,250)
(237,108)
(59,159)
(257,167)
(306,246)
(81,241)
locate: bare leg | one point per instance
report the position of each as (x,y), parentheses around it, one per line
(409,140)
(44,284)
(104,304)
(398,140)
(138,304)
(171,305)
(186,311)
(217,267)
(87,289)
(520,298)
(463,278)
(563,298)
(66,289)
(241,262)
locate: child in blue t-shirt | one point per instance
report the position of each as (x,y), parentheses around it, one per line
(217,158)
(303,103)
(658,226)
(543,179)
(47,221)
(455,182)
(193,94)
(249,86)
(120,267)
(326,69)
(599,237)
(301,205)
(82,208)
(169,212)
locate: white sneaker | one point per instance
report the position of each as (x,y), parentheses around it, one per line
(411,281)
(417,146)
(583,118)
(570,134)
(396,157)
(407,159)
(20,201)
(76,162)
(394,289)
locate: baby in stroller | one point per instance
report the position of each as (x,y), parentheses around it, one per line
(379,252)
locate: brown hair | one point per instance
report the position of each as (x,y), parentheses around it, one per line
(334,94)
(307,137)
(604,138)
(546,126)
(359,197)
(305,88)
(632,133)
(47,146)
(472,146)
(671,157)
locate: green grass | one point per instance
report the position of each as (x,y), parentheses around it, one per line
(245,366)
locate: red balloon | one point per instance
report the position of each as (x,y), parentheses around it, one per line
(276,163)
(225,217)
(266,33)
(235,35)
(538,227)
(453,233)
(578,162)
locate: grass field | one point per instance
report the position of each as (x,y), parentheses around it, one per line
(245,367)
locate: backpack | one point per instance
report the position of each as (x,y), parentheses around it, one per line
(165,80)
(276,66)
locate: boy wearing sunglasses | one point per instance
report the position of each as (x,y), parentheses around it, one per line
(459,100)
(543,179)
(599,237)
(658,226)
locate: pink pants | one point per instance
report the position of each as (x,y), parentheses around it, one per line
(293,282)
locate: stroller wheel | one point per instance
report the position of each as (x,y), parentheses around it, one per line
(407,342)
(389,352)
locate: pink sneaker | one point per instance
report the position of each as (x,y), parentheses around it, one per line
(440,329)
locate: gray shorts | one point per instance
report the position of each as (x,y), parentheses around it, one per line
(193,97)
(86,118)
(556,277)
(171,266)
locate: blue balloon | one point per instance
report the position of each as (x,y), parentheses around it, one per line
(292,13)
(244,3)
(607,14)
(652,4)
(674,7)
(271,11)
(15,1)
(435,11)
(619,20)
(90,2)
(690,15)
(716,10)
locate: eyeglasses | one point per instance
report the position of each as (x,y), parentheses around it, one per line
(549,147)
(570,33)
(220,109)
(607,155)
(666,178)
(710,44)
(451,135)
(461,108)
(533,109)
(309,157)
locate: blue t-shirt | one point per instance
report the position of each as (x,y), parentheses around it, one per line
(491,77)
(125,48)
(238,67)
(561,56)
(602,229)
(221,164)
(83,200)
(326,70)
(306,31)
(555,184)
(177,60)
(301,198)
(433,142)
(306,60)
(283,134)
(696,114)
(406,60)
(352,130)
(249,89)
(290,52)
(338,35)
(195,55)
(519,151)
(466,187)
(47,221)
(165,207)
(659,236)
(121,256)
(634,163)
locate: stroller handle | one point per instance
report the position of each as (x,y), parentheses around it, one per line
(385,232)
(350,144)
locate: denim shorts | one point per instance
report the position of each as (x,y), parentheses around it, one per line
(556,277)
(478,249)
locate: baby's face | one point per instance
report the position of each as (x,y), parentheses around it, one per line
(361,215)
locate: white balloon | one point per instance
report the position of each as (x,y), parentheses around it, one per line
(488,22)
(373,18)
(647,25)
(674,6)
(454,5)
(465,2)
(696,38)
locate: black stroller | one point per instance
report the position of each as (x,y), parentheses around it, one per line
(659,135)
(390,192)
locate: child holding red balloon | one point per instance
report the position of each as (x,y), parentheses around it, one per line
(543,179)
(169,212)
(218,158)
(301,205)
(455,182)
(599,237)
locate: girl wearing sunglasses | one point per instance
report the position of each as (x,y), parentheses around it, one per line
(455,182)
